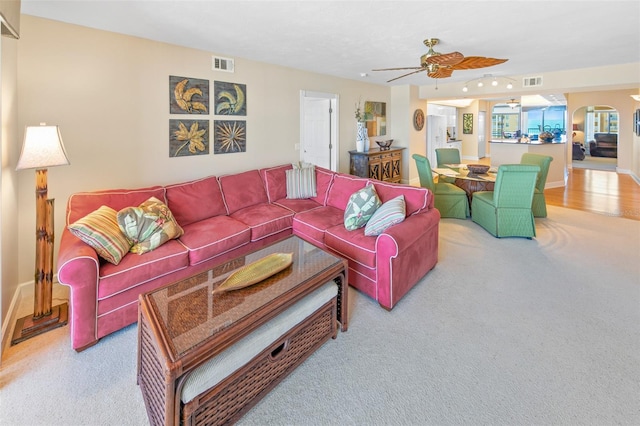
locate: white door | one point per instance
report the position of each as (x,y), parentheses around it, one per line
(482,143)
(318,129)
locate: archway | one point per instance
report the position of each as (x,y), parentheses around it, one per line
(595,128)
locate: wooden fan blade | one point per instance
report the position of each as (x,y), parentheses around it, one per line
(441,73)
(472,62)
(414,72)
(446,58)
(395,69)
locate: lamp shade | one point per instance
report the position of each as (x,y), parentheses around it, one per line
(42,148)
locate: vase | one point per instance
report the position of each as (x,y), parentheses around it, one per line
(361,136)
(366,139)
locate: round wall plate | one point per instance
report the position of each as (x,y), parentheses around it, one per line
(418,119)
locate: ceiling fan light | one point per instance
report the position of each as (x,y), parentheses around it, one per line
(509,86)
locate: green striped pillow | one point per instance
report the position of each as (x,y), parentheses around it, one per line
(301,181)
(100,230)
(388,214)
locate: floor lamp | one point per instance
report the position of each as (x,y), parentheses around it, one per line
(42,148)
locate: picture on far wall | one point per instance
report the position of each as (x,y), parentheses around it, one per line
(467,123)
(229,136)
(188,95)
(188,137)
(375,117)
(230,98)
(636,122)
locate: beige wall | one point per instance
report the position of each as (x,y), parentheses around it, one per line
(8,176)
(109,94)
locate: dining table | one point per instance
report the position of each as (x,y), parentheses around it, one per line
(461,177)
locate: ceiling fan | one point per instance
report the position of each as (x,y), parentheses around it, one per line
(442,65)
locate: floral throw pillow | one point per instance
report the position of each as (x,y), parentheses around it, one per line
(389,214)
(148,226)
(360,207)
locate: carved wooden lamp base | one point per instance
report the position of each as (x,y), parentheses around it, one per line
(29,326)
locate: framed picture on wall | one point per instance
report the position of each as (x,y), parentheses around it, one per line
(636,122)
(467,123)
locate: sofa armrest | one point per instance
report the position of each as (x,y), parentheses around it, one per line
(407,233)
(78,268)
(405,253)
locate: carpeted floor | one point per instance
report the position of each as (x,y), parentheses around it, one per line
(596,163)
(501,332)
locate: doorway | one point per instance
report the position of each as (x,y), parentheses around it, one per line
(319,129)
(595,128)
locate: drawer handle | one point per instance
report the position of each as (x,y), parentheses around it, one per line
(279,350)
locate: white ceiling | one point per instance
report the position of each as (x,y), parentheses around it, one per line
(347,38)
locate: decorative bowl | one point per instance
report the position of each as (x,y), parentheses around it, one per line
(385,144)
(478,169)
(546,137)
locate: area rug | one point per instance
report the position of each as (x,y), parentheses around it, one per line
(501,332)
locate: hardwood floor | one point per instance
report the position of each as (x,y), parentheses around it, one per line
(598,191)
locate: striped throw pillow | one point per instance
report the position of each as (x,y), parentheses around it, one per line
(100,230)
(301,181)
(389,213)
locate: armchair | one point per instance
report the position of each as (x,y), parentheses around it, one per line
(506,211)
(450,200)
(539,205)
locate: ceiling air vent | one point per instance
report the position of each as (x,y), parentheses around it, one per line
(531,81)
(222,64)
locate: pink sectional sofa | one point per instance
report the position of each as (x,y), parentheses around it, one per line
(228,216)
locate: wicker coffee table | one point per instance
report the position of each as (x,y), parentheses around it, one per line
(183,328)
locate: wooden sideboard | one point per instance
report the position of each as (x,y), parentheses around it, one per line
(385,165)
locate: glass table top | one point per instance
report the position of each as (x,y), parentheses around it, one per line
(189,313)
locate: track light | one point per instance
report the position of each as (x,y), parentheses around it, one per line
(495,82)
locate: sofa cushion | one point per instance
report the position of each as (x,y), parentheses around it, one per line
(275,182)
(416,199)
(99,229)
(312,224)
(301,181)
(264,219)
(297,206)
(148,226)
(195,200)
(83,203)
(134,270)
(353,245)
(242,190)
(390,213)
(342,188)
(214,236)
(361,206)
(324,179)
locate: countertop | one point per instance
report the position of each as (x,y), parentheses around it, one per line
(528,143)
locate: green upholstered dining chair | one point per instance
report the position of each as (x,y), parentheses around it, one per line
(450,200)
(506,211)
(447,156)
(539,205)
